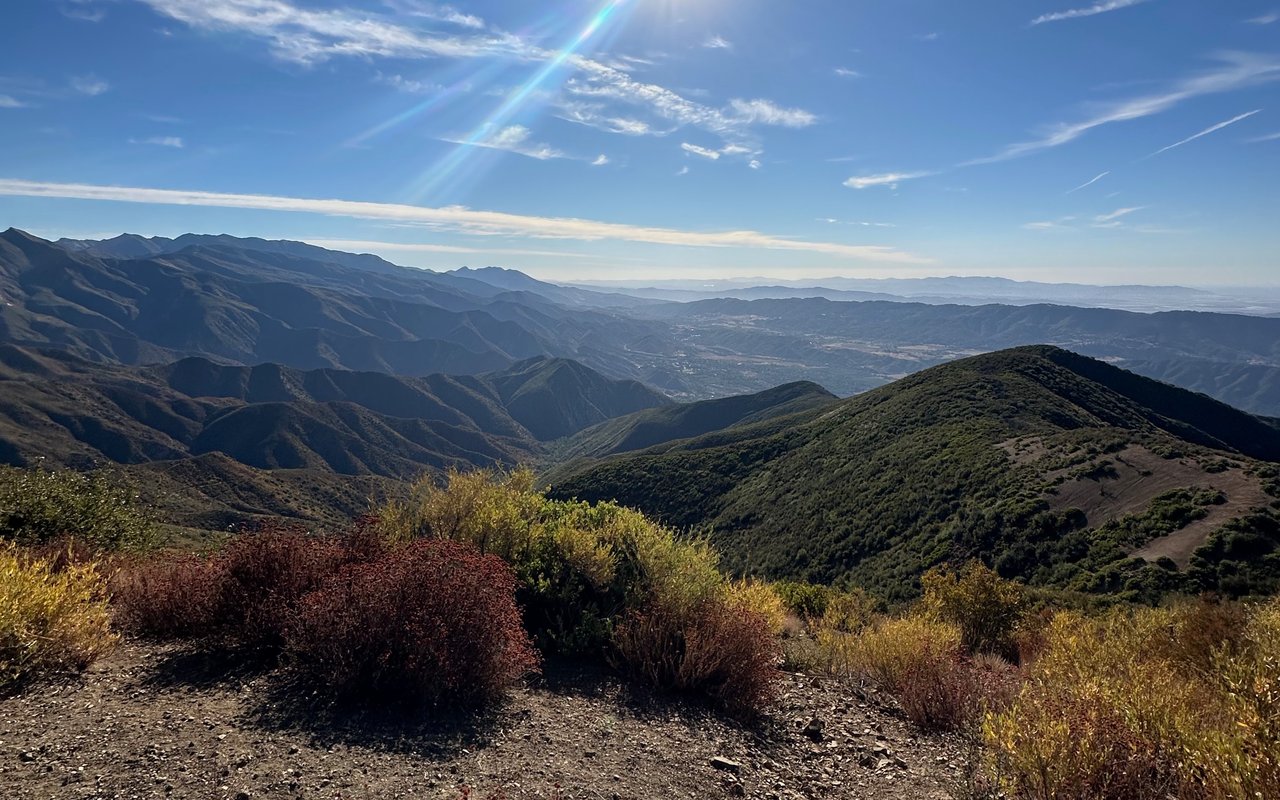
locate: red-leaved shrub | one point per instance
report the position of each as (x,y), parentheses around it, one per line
(264,575)
(245,594)
(167,596)
(428,622)
(725,652)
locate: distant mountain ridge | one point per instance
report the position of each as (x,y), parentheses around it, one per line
(65,410)
(253,301)
(664,424)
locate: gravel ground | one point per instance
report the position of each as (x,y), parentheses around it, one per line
(163,722)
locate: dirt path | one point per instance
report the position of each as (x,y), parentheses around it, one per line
(152,722)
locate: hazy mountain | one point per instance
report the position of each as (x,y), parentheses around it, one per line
(960,290)
(68,411)
(1052,466)
(250,301)
(516,281)
(852,347)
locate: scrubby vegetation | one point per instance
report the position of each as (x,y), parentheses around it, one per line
(1181,701)
(51,620)
(879,488)
(455,591)
(1144,704)
(428,622)
(602,581)
(38,507)
(443,592)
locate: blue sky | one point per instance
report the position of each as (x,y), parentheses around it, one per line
(1105,141)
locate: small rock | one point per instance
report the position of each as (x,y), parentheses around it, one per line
(813,729)
(726,764)
(243,795)
(27,758)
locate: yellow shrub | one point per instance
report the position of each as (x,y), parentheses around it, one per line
(848,612)
(892,650)
(494,511)
(49,621)
(1115,708)
(761,598)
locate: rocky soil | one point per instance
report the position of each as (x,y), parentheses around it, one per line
(162,722)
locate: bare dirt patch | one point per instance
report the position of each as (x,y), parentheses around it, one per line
(1126,482)
(160,722)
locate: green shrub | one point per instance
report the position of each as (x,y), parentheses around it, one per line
(986,607)
(37,506)
(580,566)
(806,600)
(50,620)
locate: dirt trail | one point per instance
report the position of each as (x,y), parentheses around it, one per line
(158,722)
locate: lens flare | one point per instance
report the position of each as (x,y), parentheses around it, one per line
(447,168)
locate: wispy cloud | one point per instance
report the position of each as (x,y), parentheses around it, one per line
(1270,137)
(767,113)
(696,150)
(7,101)
(1207,131)
(1097,8)
(460,219)
(1235,71)
(512,139)
(889,179)
(410,85)
(682,171)
(82,10)
(1113,220)
(161,141)
(1103,219)
(1265,19)
(845,72)
(1091,181)
(717,43)
(90,85)
(594,115)
(436,13)
(859,223)
(365,246)
(313,35)
(600,160)
(932,36)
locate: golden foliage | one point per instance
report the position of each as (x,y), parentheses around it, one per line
(50,620)
(1120,707)
(759,597)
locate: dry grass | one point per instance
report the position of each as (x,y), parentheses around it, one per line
(51,619)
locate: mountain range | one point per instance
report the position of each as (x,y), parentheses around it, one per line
(136,300)
(233,379)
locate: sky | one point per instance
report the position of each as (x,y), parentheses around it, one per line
(1096,141)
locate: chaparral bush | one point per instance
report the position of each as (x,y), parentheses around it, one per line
(426,622)
(603,581)
(244,594)
(38,506)
(716,649)
(1144,704)
(986,607)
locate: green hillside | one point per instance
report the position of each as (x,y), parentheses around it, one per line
(664,424)
(1049,465)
